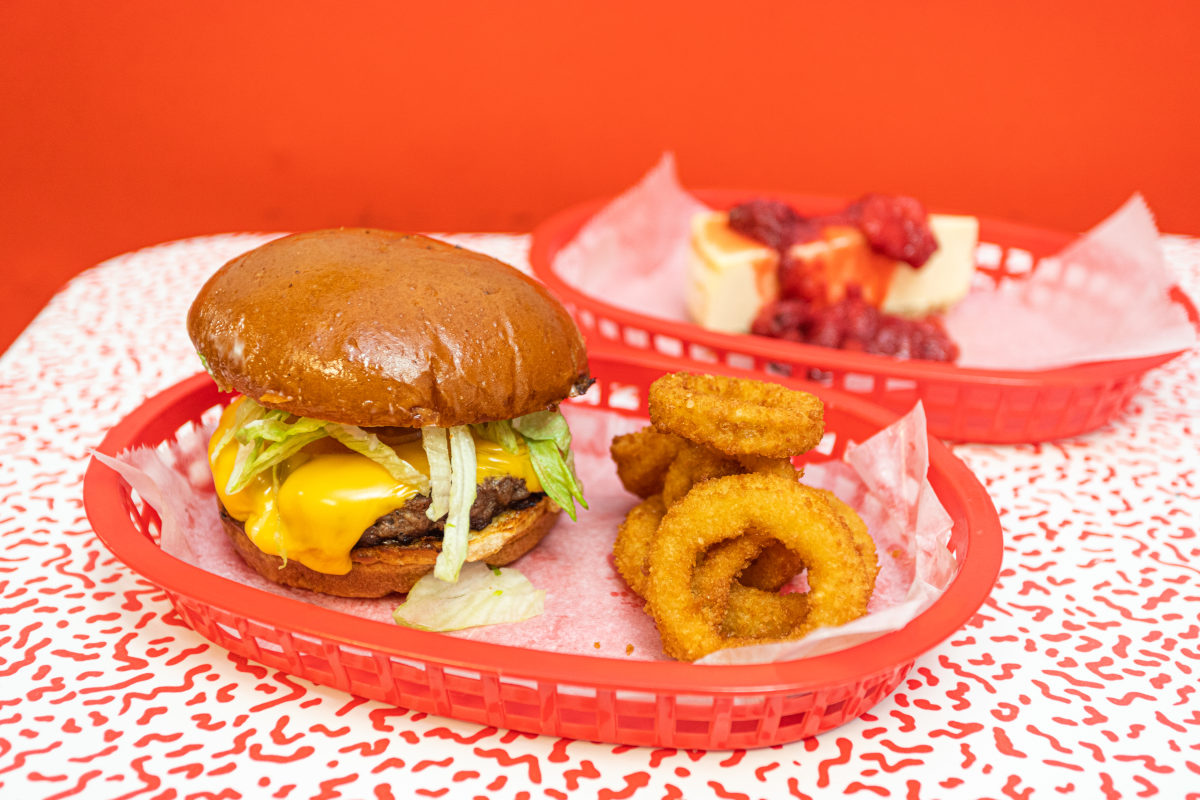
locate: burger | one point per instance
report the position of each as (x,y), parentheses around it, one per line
(397,409)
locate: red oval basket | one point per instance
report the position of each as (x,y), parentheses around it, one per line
(969,405)
(601,699)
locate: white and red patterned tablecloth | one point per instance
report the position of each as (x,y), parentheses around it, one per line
(1078,678)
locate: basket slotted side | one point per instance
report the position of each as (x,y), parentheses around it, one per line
(660,719)
(636,703)
(968,405)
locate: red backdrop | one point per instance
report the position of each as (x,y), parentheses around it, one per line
(126,124)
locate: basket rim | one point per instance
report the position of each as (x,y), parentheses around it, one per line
(553,233)
(982,547)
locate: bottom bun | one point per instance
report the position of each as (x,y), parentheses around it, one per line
(388,568)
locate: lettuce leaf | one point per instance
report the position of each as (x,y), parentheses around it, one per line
(462,496)
(544,425)
(482,596)
(368,444)
(263,458)
(279,546)
(246,411)
(266,437)
(549,441)
(437,451)
(558,480)
(501,432)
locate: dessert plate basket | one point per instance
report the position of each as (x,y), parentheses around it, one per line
(968,405)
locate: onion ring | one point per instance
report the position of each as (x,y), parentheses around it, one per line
(692,465)
(642,458)
(775,567)
(858,531)
(631,550)
(783,467)
(737,416)
(756,614)
(695,463)
(750,612)
(721,509)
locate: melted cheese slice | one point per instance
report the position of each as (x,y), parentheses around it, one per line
(327,495)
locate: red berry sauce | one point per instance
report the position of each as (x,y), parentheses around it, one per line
(853,324)
(775,224)
(896,227)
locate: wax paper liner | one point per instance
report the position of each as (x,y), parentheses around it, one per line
(1104,297)
(589,610)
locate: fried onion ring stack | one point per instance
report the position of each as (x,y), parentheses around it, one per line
(725,523)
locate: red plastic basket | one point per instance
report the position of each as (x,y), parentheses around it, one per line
(601,699)
(975,405)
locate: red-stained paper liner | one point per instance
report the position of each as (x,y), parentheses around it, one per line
(1105,297)
(589,610)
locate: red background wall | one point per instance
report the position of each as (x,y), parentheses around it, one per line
(126,124)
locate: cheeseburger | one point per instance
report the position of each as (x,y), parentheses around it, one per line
(397,410)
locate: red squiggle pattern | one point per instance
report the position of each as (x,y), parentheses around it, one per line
(1076,678)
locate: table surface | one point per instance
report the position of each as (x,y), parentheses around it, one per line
(1078,677)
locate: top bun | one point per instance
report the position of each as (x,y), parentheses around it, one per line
(370,327)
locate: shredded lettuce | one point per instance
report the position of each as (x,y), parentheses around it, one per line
(368,444)
(273,428)
(457,530)
(437,451)
(501,432)
(262,457)
(482,596)
(279,546)
(246,411)
(266,437)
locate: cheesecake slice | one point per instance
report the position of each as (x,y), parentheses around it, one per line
(944,279)
(731,277)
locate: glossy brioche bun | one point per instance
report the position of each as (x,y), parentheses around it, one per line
(370,328)
(383,569)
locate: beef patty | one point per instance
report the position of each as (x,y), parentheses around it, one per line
(410,525)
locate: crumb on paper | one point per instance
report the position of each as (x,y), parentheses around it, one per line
(596,645)
(628,649)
